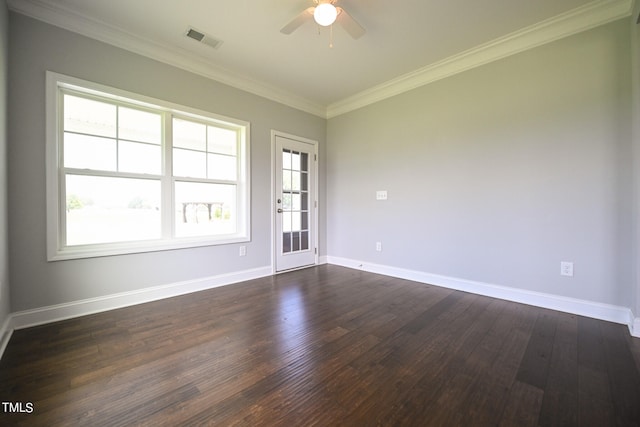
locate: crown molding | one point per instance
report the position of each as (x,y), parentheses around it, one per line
(589,16)
(101,31)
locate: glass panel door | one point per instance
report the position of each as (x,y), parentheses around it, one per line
(294,203)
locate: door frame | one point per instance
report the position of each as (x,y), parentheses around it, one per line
(274,190)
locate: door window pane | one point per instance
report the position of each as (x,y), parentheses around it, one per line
(286,180)
(296,221)
(295,161)
(295,181)
(295,244)
(296,202)
(286,242)
(286,159)
(286,221)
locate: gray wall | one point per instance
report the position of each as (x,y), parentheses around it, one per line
(497,174)
(635,73)
(36,47)
(4,251)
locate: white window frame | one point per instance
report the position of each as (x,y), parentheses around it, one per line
(56,198)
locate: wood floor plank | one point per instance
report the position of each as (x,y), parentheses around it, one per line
(534,368)
(595,403)
(324,346)
(447,351)
(560,402)
(522,406)
(624,379)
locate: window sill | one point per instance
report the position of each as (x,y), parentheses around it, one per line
(104,250)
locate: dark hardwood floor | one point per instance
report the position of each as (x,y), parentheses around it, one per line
(325,346)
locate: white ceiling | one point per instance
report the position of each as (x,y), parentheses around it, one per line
(408,42)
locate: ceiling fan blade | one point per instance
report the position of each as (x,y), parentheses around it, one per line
(297,21)
(349,24)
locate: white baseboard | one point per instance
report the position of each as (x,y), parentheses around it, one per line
(39,316)
(611,313)
(5,334)
(634,326)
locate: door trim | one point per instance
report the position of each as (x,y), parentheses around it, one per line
(272,202)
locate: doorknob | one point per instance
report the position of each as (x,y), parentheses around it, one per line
(279,210)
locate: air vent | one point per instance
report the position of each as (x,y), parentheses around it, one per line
(201,37)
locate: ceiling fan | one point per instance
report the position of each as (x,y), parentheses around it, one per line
(325,13)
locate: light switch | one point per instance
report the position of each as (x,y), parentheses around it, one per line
(381,195)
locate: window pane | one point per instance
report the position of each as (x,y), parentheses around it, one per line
(286,242)
(105,210)
(89,152)
(120,190)
(88,116)
(295,181)
(286,201)
(139,158)
(286,159)
(296,221)
(189,163)
(223,141)
(296,202)
(286,180)
(204,209)
(221,167)
(286,221)
(295,161)
(139,125)
(190,135)
(296,242)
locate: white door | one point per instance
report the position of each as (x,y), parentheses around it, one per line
(294,202)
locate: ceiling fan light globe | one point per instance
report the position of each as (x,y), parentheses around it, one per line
(325,14)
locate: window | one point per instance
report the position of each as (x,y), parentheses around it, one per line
(126,173)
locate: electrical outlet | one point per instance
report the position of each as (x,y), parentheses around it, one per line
(243,250)
(566,268)
(379,246)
